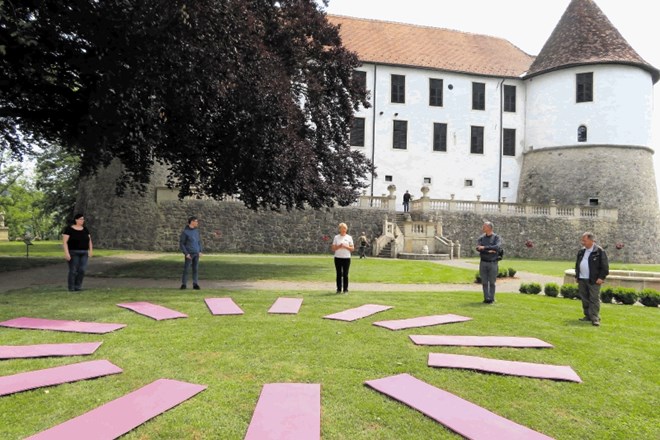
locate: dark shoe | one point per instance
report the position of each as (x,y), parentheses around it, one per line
(196,287)
(346,292)
(585,319)
(338,291)
(490,301)
(183,287)
(596,323)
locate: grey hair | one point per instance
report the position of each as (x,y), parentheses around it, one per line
(589,235)
(489,224)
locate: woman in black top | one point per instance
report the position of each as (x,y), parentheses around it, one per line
(77,250)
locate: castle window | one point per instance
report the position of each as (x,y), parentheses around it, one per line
(505,184)
(584,87)
(477,140)
(478,96)
(593,202)
(388,178)
(400,135)
(398,89)
(435,92)
(510,98)
(427,180)
(439,137)
(469,182)
(582,133)
(509,142)
(357,133)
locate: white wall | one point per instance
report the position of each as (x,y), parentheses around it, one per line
(447,170)
(620,113)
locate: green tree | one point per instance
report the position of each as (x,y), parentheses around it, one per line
(245,97)
(24,213)
(57,176)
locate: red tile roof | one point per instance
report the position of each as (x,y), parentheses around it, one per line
(402,44)
(584,35)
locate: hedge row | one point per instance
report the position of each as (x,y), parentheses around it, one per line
(623,295)
(501,273)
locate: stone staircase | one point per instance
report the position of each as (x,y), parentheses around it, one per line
(386,251)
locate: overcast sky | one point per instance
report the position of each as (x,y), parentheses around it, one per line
(525,23)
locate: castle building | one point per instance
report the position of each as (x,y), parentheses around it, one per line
(474,116)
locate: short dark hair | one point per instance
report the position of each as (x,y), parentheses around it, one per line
(77,216)
(191,219)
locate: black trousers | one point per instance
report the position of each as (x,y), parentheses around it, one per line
(341,266)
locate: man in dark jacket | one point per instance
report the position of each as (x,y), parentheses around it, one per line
(591,268)
(190,244)
(488,246)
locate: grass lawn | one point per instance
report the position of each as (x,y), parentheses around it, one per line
(296,268)
(41,253)
(557,267)
(235,356)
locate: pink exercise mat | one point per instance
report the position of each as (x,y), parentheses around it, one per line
(46,350)
(154,311)
(480,341)
(422,321)
(512,368)
(287,411)
(358,312)
(55,376)
(223,306)
(286,306)
(61,326)
(121,415)
(463,417)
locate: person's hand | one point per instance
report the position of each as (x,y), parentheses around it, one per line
(90,253)
(480,248)
(188,257)
(492,252)
(67,257)
(200,254)
(599,281)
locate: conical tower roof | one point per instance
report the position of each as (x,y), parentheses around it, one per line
(584,35)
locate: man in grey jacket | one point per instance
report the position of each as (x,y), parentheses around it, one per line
(190,243)
(488,246)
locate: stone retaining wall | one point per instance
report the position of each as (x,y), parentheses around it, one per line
(140,222)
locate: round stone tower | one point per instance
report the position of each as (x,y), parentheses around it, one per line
(588,134)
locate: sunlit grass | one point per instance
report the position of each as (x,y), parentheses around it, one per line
(235,356)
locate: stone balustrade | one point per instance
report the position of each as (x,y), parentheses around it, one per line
(427,204)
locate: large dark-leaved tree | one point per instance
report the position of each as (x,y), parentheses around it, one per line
(243,97)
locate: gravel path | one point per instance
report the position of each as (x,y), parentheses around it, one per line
(56,275)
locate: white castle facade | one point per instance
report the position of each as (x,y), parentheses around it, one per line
(466,114)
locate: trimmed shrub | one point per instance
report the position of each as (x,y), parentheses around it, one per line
(649,297)
(511,271)
(569,291)
(477,278)
(502,273)
(625,295)
(524,288)
(606,294)
(551,289)
(534,288)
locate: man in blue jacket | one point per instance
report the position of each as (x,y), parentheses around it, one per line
(190,244)
(591,268)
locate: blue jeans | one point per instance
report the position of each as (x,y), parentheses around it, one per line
(77,267)
(194,262)
(488,274)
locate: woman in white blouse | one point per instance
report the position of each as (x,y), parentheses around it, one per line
(342,246)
